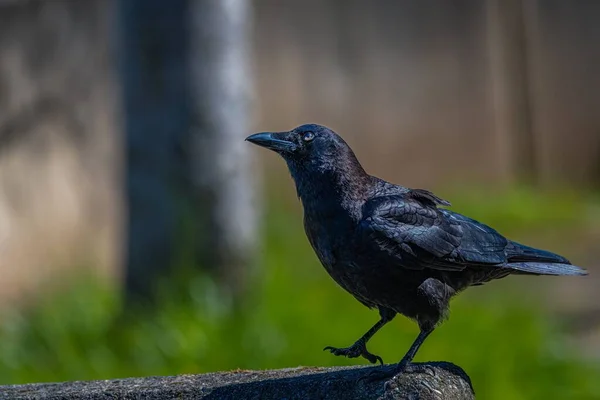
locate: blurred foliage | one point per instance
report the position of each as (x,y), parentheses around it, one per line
(511,349)
(525,209)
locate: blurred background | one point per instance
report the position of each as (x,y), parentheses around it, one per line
(140,235)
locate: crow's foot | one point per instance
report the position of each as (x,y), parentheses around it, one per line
(357,349)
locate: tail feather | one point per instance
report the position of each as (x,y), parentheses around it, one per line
(529,260)
(517,253)
(541,268)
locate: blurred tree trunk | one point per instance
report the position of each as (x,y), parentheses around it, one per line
(511,84)
(186,85)
(220,159)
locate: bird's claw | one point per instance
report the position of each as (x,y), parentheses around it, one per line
(356,350)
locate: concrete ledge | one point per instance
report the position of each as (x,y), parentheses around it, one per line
(440,381)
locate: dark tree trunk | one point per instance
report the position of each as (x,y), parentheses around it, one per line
(184,74)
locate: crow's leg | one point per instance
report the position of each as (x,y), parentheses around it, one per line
(432,300)
(359,348)
(433,296)
(405,365)
(410,354)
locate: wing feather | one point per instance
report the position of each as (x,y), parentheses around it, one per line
(412,230)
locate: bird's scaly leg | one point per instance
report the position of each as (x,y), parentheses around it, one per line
(359,348)
(405,365)
(410,354)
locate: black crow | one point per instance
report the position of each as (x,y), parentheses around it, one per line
(393,248)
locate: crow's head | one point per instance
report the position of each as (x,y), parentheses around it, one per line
(320,162)
(309,145)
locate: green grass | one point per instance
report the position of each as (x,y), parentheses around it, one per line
(511,349)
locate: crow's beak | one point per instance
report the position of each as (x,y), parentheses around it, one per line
(274,141)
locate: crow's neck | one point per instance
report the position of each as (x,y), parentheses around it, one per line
(337,190)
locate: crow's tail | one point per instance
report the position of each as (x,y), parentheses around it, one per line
(529,260)
(536,268)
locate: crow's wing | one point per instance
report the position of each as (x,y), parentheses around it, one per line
(411,230)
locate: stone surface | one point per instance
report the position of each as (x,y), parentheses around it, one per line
(438,381)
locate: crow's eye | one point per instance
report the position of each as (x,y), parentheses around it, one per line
(308,136)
